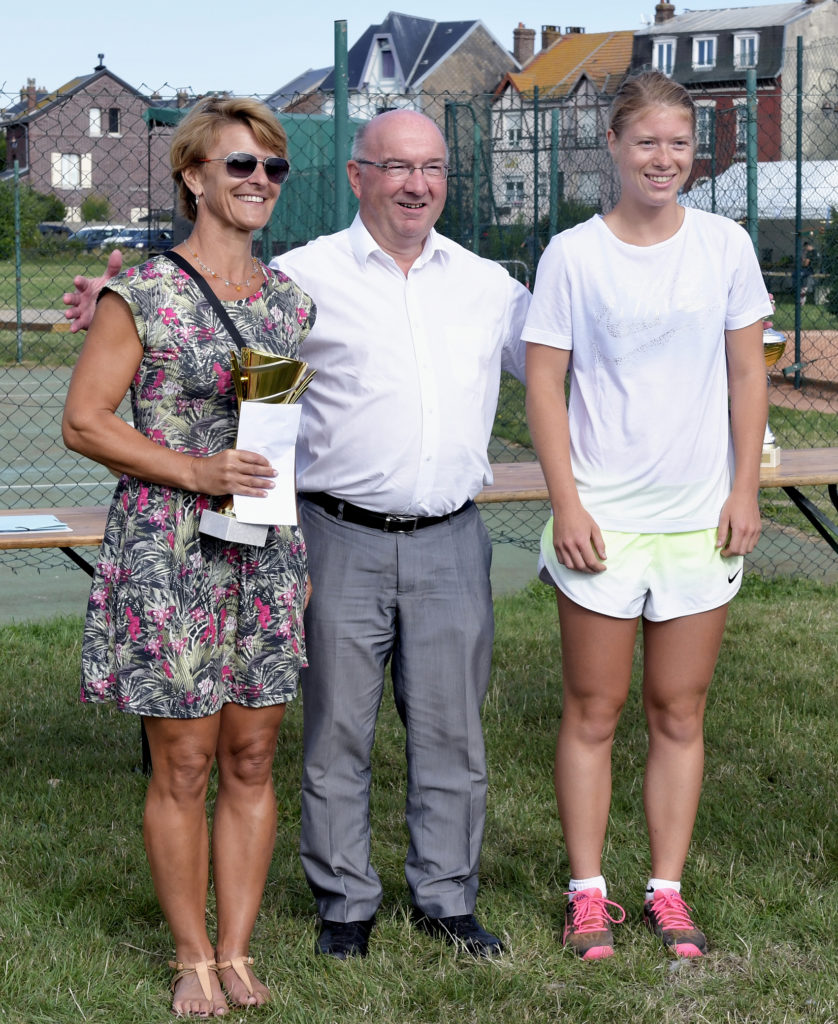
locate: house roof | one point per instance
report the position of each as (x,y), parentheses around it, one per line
(299,86)
(604,57)
(419,44)
(729,19)
(20,112)
(22,105)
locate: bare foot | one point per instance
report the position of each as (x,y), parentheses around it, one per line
(233,971)
(189,999)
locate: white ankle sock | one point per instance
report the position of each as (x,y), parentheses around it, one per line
(597,882)
(660,883)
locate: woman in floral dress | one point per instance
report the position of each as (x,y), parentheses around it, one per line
(201,637)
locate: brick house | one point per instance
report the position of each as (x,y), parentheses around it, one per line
(89,137)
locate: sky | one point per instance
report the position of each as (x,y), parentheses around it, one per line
(214,45)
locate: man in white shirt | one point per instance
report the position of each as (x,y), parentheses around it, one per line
(410,336)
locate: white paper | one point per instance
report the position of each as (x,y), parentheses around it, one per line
(270,430)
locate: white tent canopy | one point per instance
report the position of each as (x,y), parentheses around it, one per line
(775,190)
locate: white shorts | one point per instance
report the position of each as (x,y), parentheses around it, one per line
(657,575)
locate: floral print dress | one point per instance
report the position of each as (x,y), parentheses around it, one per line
(179,623)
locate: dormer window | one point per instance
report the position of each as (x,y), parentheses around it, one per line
(704,52)
(745,49)
(664,55)
(387,60)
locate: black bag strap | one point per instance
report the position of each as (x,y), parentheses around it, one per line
(211,297)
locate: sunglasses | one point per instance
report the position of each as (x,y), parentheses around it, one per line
(242,165)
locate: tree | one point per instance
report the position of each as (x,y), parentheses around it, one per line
(34,208)
(96,207)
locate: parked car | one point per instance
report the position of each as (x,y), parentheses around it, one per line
(54,229)
(95,237)
(158,239)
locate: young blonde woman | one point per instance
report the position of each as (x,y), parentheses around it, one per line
(653,469)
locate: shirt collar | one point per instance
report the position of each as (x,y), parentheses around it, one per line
(364,245)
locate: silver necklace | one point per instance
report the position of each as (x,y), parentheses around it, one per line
(238,285)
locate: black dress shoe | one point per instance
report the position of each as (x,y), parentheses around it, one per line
(342,939)
(463,931)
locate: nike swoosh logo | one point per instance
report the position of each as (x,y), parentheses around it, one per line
(730,579)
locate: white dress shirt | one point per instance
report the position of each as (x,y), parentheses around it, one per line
(399,415)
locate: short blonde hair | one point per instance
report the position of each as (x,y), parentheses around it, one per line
(197,132)
(648,89)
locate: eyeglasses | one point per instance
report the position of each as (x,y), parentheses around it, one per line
(242,165)
(401,172)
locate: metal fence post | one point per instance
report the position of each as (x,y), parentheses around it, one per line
(341,127)
(753,155)
(18,269)
(798,210)
(475,190)
(535,143)
(554,171)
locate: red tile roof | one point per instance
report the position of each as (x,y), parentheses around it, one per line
(603,56)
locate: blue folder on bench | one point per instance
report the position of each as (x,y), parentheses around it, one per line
(32,524)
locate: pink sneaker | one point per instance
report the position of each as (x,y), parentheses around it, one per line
(586,924)
(668,917)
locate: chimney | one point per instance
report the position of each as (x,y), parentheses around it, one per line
(30,94)
(523,43)
(549,34)
(182,99)
(664,11)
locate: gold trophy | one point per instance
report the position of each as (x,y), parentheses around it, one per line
(773,346)
(273,380)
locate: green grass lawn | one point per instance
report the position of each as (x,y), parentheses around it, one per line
(44,279)
(82,937)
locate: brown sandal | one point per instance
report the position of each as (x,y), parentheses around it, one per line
(238,964)
(202,968)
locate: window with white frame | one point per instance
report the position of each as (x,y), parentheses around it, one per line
(586,126)
(103,121)
(741,109)
(704,52)
(745,49)
(663,57)
(513,124)
(585,187)
(71,170)
(514,190)
(705,116)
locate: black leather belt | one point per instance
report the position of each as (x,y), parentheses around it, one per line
(349,513)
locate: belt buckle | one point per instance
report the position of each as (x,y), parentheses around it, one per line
(392,523)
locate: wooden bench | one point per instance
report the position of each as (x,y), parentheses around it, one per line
(513,482)
(51,321)
(802,467)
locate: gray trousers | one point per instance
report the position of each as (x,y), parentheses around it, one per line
(422,602)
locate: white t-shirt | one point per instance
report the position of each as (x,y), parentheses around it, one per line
(400,412)
(648,407)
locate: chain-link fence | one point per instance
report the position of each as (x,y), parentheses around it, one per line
(521,168)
